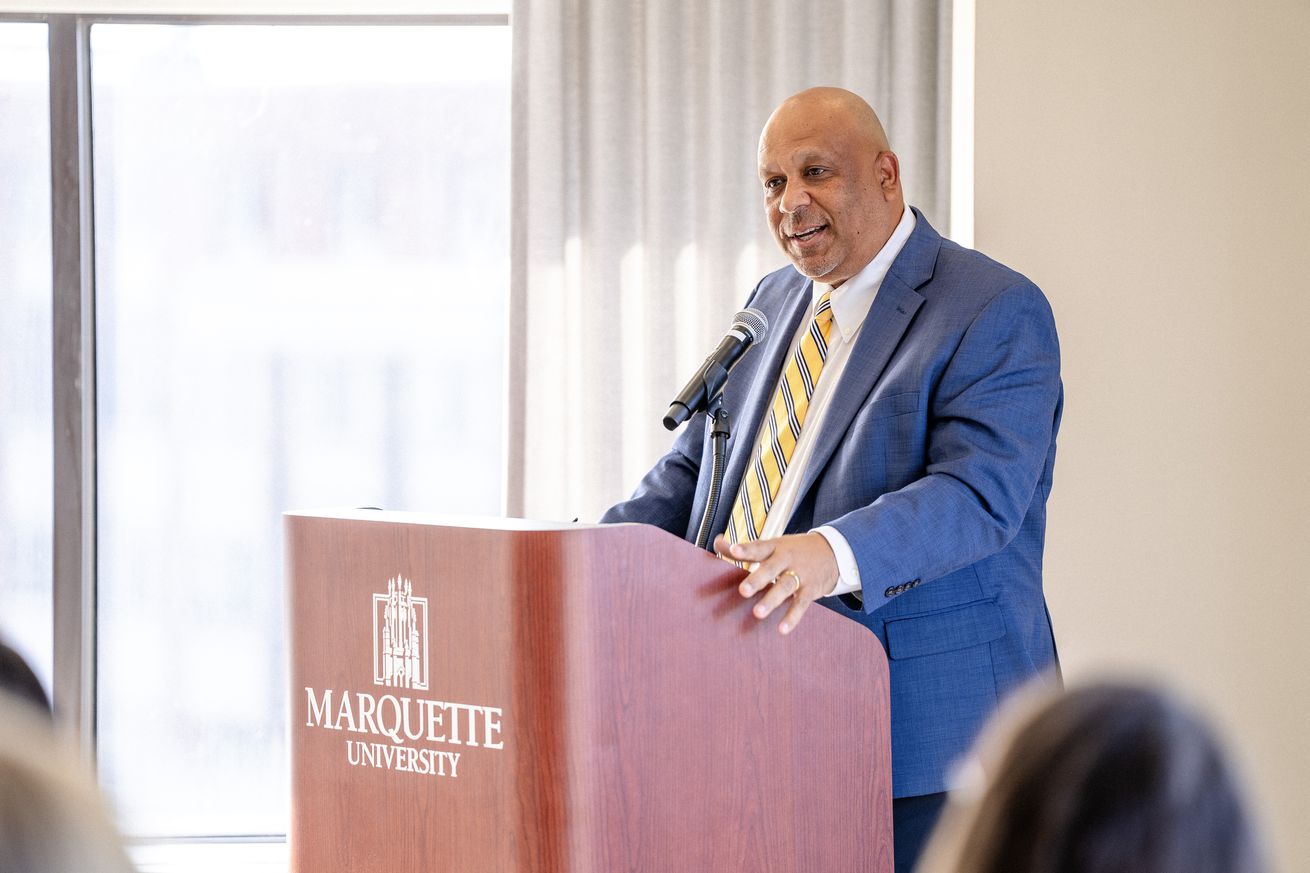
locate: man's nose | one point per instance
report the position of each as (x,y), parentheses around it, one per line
(795,196)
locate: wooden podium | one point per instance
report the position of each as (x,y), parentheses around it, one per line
(497,695)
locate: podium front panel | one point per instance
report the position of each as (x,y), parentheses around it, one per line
(497,697)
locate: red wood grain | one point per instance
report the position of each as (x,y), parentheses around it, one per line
(650,722)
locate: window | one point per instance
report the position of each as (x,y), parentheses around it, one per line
(301,246)
(302,264)
(25,345)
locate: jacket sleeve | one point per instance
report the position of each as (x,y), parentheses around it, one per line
(989,433)
(665,495)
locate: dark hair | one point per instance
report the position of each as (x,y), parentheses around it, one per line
(1110,778)
(17,678)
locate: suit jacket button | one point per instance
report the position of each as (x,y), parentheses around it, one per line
(890,592)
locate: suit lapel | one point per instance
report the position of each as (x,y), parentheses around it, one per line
(892,311)
(883,328)
(889,317)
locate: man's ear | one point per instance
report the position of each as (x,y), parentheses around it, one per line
(889,173)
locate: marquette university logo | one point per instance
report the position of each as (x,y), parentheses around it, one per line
(400,637)
(405,732)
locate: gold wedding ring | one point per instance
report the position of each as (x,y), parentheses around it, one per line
(798,580)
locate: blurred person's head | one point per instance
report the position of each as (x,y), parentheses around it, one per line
(17,678)
(52,817)
(1110,778)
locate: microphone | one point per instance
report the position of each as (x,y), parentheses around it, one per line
(748,328)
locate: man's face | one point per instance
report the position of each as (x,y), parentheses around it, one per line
(827,193)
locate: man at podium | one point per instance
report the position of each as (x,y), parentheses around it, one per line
(894,443)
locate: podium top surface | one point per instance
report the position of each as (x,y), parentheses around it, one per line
(483,522)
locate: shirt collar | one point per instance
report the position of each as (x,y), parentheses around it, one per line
(851,301)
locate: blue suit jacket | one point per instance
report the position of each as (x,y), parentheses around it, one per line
(934,462)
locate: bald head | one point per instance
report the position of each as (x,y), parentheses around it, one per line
(830,107)
(832,186)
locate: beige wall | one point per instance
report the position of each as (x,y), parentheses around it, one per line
(1146,164)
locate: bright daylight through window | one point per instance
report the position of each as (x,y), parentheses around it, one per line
(25,340)
(301,271)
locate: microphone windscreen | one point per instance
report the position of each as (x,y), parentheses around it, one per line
(753,322)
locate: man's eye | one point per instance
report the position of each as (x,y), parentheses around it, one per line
(770,184)
(814,171)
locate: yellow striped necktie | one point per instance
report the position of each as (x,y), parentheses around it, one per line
(782,428)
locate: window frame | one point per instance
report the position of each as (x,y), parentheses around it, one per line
(73,308)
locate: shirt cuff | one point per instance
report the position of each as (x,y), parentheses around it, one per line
(848,572)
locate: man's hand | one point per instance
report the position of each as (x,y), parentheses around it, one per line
(799,567)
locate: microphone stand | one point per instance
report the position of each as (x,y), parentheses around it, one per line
(719,426)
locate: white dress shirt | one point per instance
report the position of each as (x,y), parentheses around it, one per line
(851,302)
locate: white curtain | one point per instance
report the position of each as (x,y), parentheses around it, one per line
(638,219)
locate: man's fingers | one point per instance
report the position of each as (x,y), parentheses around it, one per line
(774,596)
(772,599)
(794,615)
(780,568)
(751,550)
(761,558)
(785,586)
(761,577)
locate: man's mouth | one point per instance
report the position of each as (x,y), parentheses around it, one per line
(809,233)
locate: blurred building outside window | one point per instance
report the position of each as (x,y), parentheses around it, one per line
(301,256)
